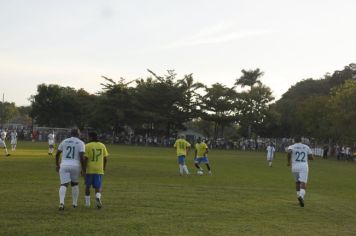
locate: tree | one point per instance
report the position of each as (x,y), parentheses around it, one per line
(218,105)
(343,112)
(8,112)
(249,78)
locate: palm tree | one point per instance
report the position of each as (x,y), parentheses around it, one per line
(249,78)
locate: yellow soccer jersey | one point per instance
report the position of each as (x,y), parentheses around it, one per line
(181,145)
(95,152)
(201,149)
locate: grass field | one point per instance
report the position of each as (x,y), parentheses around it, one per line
(144,195)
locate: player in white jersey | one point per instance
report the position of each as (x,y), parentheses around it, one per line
(13,136)
(270,153)
(51,141)
(299,154)
(3,145)
(3,135)
(72,161)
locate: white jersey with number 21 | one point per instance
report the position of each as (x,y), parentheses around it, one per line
(300,154)
(71,147)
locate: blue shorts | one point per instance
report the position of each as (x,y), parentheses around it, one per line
(199,160)
(93,180)
(181,160)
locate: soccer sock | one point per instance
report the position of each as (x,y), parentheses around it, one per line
(75,194)
(87,200)
(62,194)
(302,193)
(185,168)
(270,163)
(98,195)
(181,169)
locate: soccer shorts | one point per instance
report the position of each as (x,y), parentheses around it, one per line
(269,158)
(199,160)
(13,141)
(94,180)
(300,175)
(69,174)
(181,160)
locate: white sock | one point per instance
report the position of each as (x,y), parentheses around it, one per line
(98,195)
(62,194)
(270,163)
(298,193)
(87,200)
(75,194)
(302,193)
(185,168)
(181,169)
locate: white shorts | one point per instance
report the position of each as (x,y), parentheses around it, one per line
(269,158)
(69,174)
(300,175)
(13,141)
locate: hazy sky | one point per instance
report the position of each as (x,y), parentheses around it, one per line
(74,42)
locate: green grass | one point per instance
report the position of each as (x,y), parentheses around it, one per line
(143,195)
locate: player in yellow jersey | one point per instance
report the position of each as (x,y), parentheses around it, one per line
(182,148)
(201,155)
(95,162)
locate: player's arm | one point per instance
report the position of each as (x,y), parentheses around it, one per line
(83,162)
(289,157)
(58,157)
(105,161)
(206,152)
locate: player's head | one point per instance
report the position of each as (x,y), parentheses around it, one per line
(297,139)
(75,132)
(182,136)
(93,136)
(199,140)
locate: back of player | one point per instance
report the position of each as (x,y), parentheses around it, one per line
(72,150)
(182,147)
(96,159)
(299,154)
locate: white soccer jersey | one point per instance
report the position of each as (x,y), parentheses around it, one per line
(270,152)
(51,139)
(299,156)
(3,135)
(71,147)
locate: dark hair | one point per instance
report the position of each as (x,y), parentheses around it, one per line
(297,139)
(75,132)
(93,136)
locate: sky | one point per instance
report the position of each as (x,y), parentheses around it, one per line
(74,42)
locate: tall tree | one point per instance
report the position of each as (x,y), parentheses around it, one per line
(249,78)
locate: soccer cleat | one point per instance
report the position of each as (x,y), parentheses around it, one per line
(61,207)
(98,203)
(8,155)
(301,201)
(74,206)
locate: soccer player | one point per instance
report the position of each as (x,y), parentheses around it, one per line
(72,150)
(95,161)
(299,154)
(201,155)
(182,147)
(51,141)
(3,145)
(270,153)
(13,136)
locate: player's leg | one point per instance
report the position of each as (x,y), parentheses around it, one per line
(88,183)
(75,175)
(206,161)
(64,176)
(97,185)
(197,163)
(181,163)
(185,168)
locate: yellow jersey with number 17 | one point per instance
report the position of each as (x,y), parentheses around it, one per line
(95,152)
(181,145)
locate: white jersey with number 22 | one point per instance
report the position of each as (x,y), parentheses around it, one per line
(299,156)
